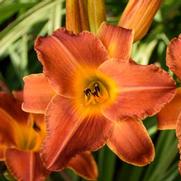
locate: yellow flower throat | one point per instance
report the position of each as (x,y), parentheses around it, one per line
(93,91)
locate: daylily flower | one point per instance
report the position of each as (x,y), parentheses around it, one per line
(138,16)
(21,135)
(170,116)
(95,95)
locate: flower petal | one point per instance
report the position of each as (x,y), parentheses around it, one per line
(37,93)
(70,133)
(7,101)
(117,40)
(23,136)
(168,116)
(36,131)
(131,142)
(173,56)
(2,152)
(63,53)
(8,129)
(85,165)
(142,90)
(138,15)
(25,166)
(178,134)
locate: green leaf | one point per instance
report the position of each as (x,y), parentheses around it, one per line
(106,164)
(22,25)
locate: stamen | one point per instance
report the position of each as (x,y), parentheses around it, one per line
(95,93)
(96,90)
(87,92)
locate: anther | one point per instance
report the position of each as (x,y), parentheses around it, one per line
(96,87)
(87,92)
(96,90)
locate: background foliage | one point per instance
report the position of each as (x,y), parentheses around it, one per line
(22,20)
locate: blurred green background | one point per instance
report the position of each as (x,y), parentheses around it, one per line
(21,21)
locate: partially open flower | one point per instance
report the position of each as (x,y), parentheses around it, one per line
(21,135)
(95,95)
(84,15)
(77,16)
(138,16)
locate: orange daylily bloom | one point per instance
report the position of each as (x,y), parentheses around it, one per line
(138,16)
(170,116)
(21,136)
(95,95)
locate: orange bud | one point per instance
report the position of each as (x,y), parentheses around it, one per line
(138,15)
(76,15)
(96,14)
(84,15)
